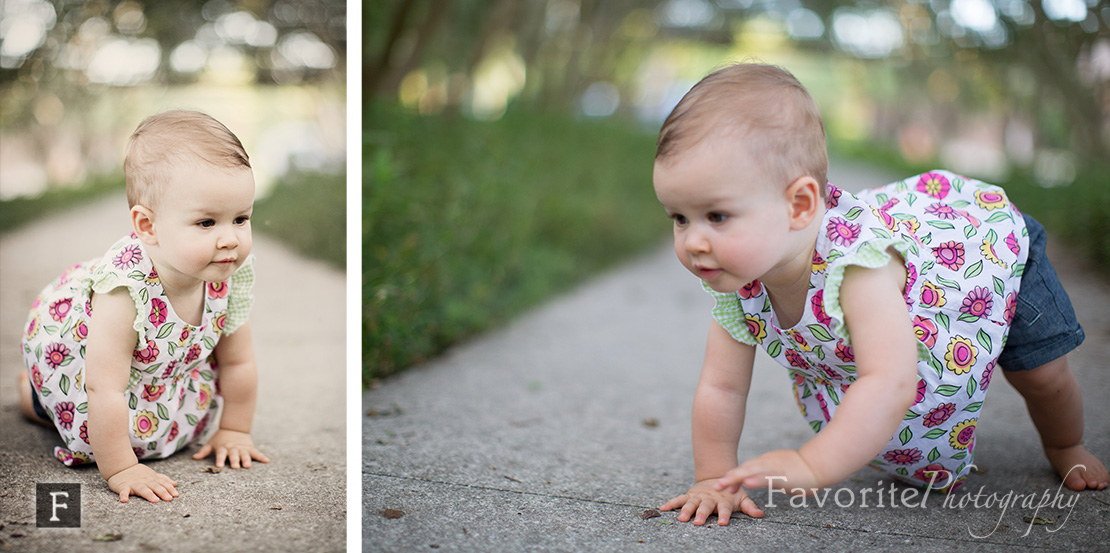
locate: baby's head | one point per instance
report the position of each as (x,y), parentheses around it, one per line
(761,109)
(164,143)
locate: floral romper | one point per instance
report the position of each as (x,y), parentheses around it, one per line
(964,247)
(173,391)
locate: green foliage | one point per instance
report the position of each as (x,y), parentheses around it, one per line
(308,212)
(466,224)
(19,211)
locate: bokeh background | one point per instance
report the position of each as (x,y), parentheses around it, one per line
(508,144)
(77,76)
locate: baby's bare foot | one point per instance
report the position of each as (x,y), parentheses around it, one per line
(1079,469)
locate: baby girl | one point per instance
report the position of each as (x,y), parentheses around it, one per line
(131,356)
(891,309)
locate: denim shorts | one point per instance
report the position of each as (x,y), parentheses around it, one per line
(1044,326)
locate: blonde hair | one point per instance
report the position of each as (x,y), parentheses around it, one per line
(766,108)
(179,136)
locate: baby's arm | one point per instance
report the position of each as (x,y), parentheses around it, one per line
(110,344)
(872,408)
(238,376)
(718,419)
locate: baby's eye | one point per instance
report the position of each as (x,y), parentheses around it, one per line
(679,219)
(207,223)
(717,217)
(242,220)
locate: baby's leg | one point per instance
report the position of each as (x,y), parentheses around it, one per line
(1055,404)
(25,403)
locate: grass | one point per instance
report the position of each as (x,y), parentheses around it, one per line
(19,211)
(305,211)
(466,224)
(308,212)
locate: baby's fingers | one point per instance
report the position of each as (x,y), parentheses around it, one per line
(674,503)
(205,451)
(749,507)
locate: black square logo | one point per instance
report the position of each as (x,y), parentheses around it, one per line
(58,505)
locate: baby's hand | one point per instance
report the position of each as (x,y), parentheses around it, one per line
(702,500)
(758,472)
(234,446)
(144,482)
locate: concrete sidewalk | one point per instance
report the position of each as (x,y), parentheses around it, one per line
(557,432)
(297,502)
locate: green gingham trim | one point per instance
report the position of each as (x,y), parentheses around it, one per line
(730,315)
(239,299)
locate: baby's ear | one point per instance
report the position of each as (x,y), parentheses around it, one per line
(804,197)
(142,221)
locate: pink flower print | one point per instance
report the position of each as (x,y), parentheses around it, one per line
(218,289)
(931,296)
(194,352)
(158,312)
(960,355)
(921,387)
(824,406)
(933,474)
(817,304)
(147,354)
(220,321)
(152,392)
(88,307)
(152,278)
(84,433)
(757,328)
(199,429)
(1012,243)
(833,198)
(32,328)
(1011,307)
(36,377)
(186,331)
(985,380)
(818,263)
(925,330)
(169,369)
(173,432)
(903,456)
(962,435)
(950,254)
(750,290)
(942,211)
(145,424)
(987,249)
(57,355)
(844,352)
(829,372)
(204,397)
(129,257)
(139,452)
(978,302)
(888,220)
(796,360)
(59,309)
(80,331)
(990,199)
(939,414)
(841,232)
(934,184)
(63,414)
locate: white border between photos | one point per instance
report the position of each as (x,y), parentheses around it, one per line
(354,276)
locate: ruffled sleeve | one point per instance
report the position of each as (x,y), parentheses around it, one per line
(240,299)
(729,313)
(105,278)
(870,255)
